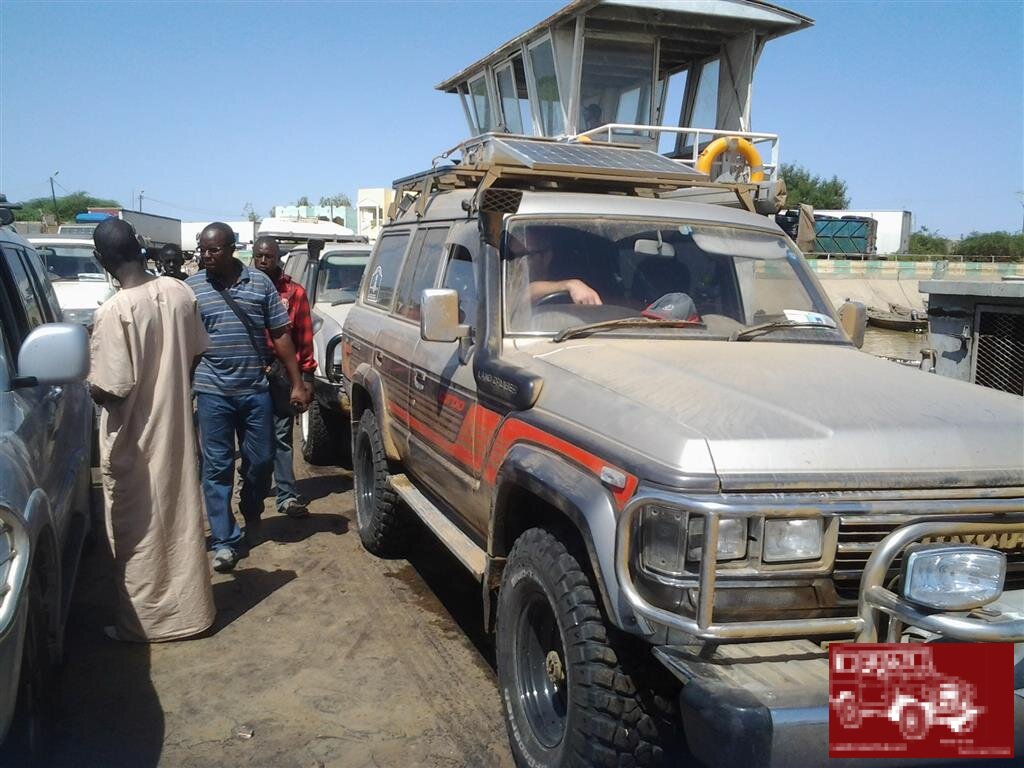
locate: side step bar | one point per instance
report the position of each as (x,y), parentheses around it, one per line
(463,547)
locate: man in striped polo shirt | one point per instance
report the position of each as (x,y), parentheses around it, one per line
(232,391)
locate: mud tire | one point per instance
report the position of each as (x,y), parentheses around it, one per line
(606,720)
(383,523)
(325,437)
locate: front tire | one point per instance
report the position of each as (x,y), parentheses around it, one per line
(29,736)
(382,522)
(325,436)
(568,700)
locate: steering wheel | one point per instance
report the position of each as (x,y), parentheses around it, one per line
(555,297)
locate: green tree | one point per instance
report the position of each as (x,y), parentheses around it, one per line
(338,201)
(803,187)
(303,201)
(67,206)
(924,241)
(1005,245)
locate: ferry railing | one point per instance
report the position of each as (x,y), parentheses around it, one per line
(701,138)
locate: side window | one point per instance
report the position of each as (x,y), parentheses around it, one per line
(459,275)
(296,264)
(384,268)
(420,272)
(24,289)
(44,288)
(12,309)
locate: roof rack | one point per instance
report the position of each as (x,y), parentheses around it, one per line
(529,162)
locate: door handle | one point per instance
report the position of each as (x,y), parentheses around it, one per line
(378,358)
(419,379)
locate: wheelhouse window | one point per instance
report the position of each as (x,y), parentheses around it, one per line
(712,281)
(705,103)
(515,104)
(480,104)
(617,79)
(545,81)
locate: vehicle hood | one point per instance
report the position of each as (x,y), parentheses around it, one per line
(767,415)
(74,294)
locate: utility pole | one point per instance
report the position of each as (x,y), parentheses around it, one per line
(141,193)
(53,196)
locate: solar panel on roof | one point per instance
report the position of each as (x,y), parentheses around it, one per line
(552,156)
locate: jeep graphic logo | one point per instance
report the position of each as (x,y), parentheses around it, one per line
(1003,541)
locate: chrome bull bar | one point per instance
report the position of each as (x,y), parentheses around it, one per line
(876,600)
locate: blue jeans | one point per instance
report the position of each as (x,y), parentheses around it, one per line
(284,471)
(221,417)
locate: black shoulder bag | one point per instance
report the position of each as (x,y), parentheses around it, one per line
(280,386)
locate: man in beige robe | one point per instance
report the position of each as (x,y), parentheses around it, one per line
(144,343)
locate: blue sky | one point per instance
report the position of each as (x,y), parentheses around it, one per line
(208,106)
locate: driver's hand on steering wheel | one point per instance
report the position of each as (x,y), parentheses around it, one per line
(581,293)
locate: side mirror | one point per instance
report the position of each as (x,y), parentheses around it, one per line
(55,353)
(439,315)
(854,319)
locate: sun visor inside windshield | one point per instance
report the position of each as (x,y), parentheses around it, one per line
(738,242)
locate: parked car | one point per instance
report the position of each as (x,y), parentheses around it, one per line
(45,491)
(332,284)
(670,497)
(79,280)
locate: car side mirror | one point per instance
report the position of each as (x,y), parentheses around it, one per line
(854,319)
(55,353)
(439,315)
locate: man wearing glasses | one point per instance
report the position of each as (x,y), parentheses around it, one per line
(239,306)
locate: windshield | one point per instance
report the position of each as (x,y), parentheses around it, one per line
(70,262)
(698,279)
(338,279)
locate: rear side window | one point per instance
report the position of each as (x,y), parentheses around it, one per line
(460,275)
(44,288)
(384,268)
(16,320)
(421,272)
(24,289)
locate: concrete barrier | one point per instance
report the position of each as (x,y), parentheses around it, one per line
(880,283)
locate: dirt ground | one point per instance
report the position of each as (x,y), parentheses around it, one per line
(330,656)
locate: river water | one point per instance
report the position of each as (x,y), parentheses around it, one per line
(886,343)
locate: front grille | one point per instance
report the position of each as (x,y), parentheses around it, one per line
(858,539)
(999,361)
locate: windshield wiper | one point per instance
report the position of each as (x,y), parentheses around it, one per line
(755,330)
(624,322)
(343,301)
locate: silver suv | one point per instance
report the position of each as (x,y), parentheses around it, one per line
(331,278)
(45,440)
(639,422)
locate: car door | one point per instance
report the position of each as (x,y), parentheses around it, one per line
(445,444)
(38,409)
(375,337)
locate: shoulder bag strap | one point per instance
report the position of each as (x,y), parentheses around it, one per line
(240,314)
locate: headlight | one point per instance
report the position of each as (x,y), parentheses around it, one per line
(791,539)
(952,578)
(732,538)
(663,540)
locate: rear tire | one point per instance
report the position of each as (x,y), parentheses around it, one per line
(325,437)
(383,523)
(568,698)
(29,735)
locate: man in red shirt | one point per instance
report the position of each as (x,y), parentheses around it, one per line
(266,257)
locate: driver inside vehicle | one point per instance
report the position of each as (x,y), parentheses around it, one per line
(543,259)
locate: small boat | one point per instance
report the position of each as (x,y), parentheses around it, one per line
(898,319)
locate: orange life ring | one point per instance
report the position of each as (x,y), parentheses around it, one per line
(737,144)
